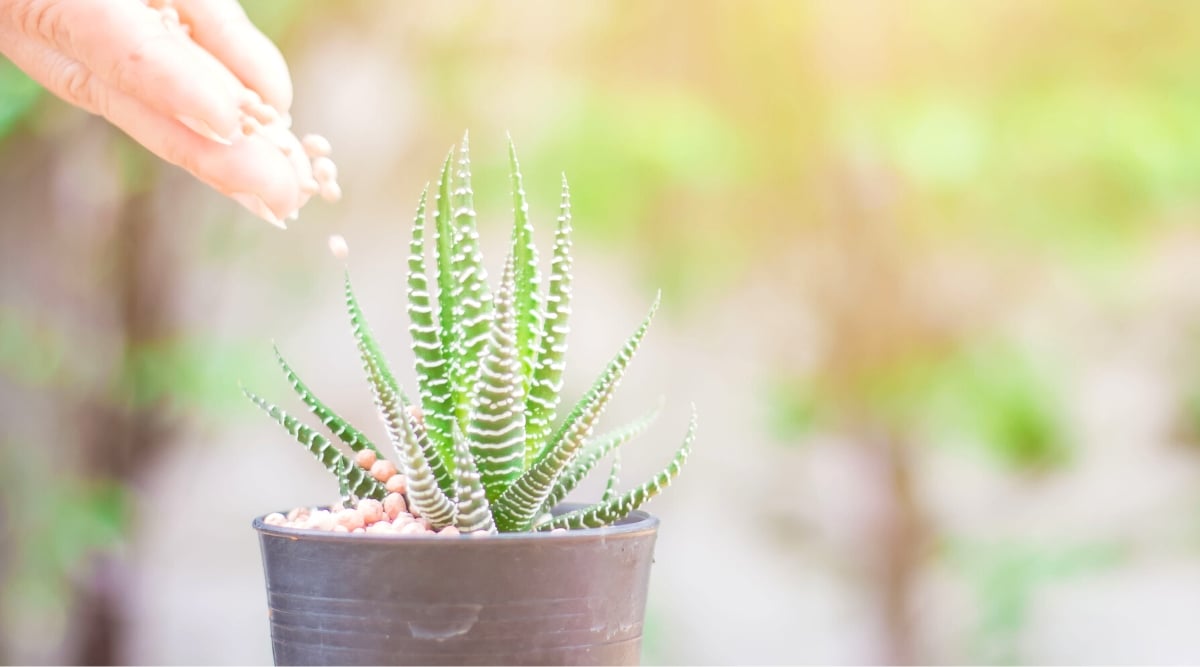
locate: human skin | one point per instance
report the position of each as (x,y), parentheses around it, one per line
(180,98)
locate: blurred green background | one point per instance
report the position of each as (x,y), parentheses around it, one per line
(931,273)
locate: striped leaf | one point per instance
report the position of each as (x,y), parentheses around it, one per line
(496,429)
(597,449)
(527,297)
(431,367)
(546,383)
(340,428)
(425,491)
(470,296)
(474,514)
(615,509)
(343,474)
(614,478)
(368,348)
(443,248)
(518,505)
(387,392)
(425,484)
(359,482)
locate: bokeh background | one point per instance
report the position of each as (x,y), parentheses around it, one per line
(931,274)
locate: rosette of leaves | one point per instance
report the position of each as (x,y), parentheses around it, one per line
(481,444)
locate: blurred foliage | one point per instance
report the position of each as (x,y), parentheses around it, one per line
(185,374)
(18,94)
(1005,577)
(74,517)
(1008,400)
(994,394)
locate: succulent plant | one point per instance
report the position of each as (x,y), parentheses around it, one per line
(479,445)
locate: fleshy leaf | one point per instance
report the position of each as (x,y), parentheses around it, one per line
(614,478)
(343,475)
(527,298)
(518,506)
(359,482)
(471,298)
(443,260)
(546,383)
(386,393)
(368,348)
(424,491)
(496,430)
(474,513)
(615,509)
(340,428)
(431,367)
(597,449)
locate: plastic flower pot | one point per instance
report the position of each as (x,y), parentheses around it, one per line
(574,598)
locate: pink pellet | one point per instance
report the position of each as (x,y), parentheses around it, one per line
(324,170)
(331,191)
(383,470)
(417,413)
(371,509)
(338,246)
(321,520)
(351,519)
(412,529)
(449,531)
(316,146)
(394,505)
(397,484)
(359,530)
(274,519)
(340,529)
(365,459)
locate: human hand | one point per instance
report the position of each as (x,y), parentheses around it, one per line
(191,80)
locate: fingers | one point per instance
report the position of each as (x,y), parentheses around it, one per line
(128,46)
(221,27)
(251,170)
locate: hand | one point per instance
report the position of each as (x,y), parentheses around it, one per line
(186,99)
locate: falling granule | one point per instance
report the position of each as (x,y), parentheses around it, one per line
(337,246)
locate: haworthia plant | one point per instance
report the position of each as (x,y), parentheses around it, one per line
(481,448)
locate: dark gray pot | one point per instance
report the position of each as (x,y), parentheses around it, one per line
(516,599)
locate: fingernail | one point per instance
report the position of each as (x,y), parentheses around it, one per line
(203,129)
(257,206)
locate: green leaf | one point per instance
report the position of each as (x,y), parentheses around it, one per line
(426,477)
(387,392)
(426,491)
(368,348)
(614,478)
(18,93)
(597,449)
(518,506)
(496,429)
(527,298)
(474,514)
(431,366)
(359,482)
(340,428)
(545,385)
(444,259)
(343,475)
(615,509)
(471,298)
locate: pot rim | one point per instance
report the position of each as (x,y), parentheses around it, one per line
(638,522)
